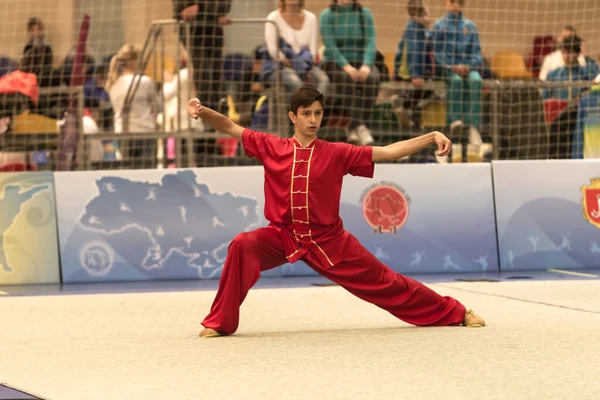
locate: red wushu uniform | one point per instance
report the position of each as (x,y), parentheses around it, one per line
(303,186)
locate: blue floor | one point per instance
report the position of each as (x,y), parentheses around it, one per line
(7,393)
(288,282)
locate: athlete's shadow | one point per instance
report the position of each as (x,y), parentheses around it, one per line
(335,333)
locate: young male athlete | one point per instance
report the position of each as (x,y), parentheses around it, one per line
(303,184)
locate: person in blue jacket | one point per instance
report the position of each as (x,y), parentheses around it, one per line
(457,52)
(572,71)
(413,60)
(586,142)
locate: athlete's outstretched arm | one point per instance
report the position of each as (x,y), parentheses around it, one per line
(405,148)
(218,121)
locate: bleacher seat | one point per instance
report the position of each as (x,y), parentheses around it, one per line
(169,64)
(27,122)
(433,115)
(509,64)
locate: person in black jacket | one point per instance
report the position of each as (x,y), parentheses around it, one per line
(37,46)
(207,19)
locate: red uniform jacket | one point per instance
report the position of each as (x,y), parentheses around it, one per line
(20,82)
(303,186)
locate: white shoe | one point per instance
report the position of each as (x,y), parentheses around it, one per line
(475,141)
(475,136)
(353,137)
(455,129)
(404,116)
(364,135)
(486,150)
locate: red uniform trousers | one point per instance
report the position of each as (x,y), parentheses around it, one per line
(360,273)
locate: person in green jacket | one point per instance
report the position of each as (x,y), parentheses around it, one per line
(348,33)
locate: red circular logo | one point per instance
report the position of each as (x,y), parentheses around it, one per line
(385,208)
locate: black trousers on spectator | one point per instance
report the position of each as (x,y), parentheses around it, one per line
(356,98)
(412,98)
(208,64)
(206,55)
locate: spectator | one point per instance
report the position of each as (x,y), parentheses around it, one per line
(94,86)
(64,73)
(97,98)
(173,106)
(41,64)
(207,19)
(413,62)
(19,90)
(348,32)
(98,111)
(458,56)
(571,71)
(141,114)
(555,59)
(297,47)
(586,142)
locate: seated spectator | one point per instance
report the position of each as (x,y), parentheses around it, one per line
(571,71)
(96,97)
(19,90)
(586,141)
(348,32)
(297,47)
(413,62)
(141,116)
(63,73)
(555,59)
(173,106)
(7,65)
(43,61)
(458,56)
(94,87)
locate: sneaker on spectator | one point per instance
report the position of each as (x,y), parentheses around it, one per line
(364,135)
(403,115)
(475,136)
(353,137)
(456,130)
(475,139)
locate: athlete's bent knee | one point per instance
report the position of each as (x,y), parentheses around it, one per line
(245,240)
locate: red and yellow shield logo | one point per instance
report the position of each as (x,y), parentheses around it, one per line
(385,207)
(591,202)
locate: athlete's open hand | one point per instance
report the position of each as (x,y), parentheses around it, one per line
(443,143)
(194,108)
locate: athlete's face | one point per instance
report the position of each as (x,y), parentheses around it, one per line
(307,120)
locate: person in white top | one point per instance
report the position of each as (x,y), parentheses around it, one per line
(142,113)
(174,106)
(299,29)
(555,59)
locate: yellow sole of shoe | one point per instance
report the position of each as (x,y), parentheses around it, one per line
(209,336)
(475,326)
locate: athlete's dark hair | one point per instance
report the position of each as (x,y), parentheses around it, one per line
(304,97)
